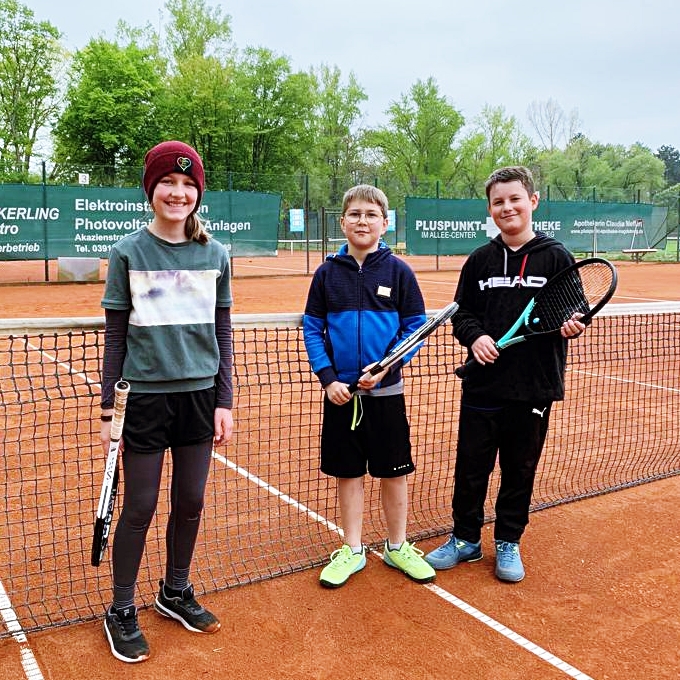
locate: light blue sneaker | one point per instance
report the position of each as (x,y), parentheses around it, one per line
(509,565)
(455,550)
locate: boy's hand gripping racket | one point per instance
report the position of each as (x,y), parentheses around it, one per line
(107,498)
(407,344)
(582,289)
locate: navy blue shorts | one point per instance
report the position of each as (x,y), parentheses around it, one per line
(156,422)
(380,444)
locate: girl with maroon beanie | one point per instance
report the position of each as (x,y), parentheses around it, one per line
(168,333)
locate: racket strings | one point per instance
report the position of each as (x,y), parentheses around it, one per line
(405,345)
(579,291)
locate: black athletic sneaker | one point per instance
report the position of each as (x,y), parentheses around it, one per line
(182,606)
(125,638)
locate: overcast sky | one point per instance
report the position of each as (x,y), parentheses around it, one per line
(616,62)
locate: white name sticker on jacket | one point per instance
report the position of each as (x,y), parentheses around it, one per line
(384,291)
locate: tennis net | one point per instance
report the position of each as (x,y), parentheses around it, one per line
(268,510)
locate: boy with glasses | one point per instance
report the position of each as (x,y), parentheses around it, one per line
(361,302)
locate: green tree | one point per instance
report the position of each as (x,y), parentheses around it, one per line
(417,144)
(30,60)
(197,96)
(671,159)
(198,106)
(336,148)
(110,118)
(586,170)
(494,140)
(573,174)
(197,30)
(638,173)
(273,116)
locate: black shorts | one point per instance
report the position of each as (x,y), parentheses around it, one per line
(379,444)
(155,422)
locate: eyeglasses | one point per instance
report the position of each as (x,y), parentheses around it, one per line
(371,216)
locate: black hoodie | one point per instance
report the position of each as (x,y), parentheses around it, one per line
(495,285)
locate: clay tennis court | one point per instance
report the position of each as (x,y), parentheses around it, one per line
(600,599)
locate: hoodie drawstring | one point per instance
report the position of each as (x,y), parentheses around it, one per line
(358,412)
(521,269)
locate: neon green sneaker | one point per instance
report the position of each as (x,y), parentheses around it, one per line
(343,564)
(409,560)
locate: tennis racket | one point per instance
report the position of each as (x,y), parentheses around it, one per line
(408,343)
(584,288)
(107,497)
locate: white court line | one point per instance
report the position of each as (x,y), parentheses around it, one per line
(61,364)
(541,653)
(614,378)
(275,492)
(8,615)
(529,646)
(436,282)
(245,265)
(645,299)
(33,671)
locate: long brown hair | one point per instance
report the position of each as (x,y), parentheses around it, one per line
(195,230)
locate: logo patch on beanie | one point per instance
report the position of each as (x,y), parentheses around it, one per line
(183,163)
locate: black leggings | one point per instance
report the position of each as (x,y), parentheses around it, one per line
(142,473)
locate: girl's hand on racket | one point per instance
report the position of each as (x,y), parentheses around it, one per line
(572,327)
(368,381)
(224,425)
(338,393)
(484,349)
(105,435)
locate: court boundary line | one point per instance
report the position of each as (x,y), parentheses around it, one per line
(466,608)
(614,378)
(518,639)
(258,481)
(31,667)
(28,661)
(11,621)
(248,265)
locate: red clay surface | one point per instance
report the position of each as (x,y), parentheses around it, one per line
(280,285)
(601,598)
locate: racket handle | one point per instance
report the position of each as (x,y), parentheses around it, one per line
(374,370)
(463,370)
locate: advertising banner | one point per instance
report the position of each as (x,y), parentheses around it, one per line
(46,222)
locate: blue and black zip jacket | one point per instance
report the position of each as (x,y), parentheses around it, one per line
(355,315)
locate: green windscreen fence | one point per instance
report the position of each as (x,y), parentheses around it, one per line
(42,222)
(457,227)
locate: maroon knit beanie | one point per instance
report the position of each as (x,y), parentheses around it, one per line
(168,157)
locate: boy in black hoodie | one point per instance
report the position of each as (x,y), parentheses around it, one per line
(506,401)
